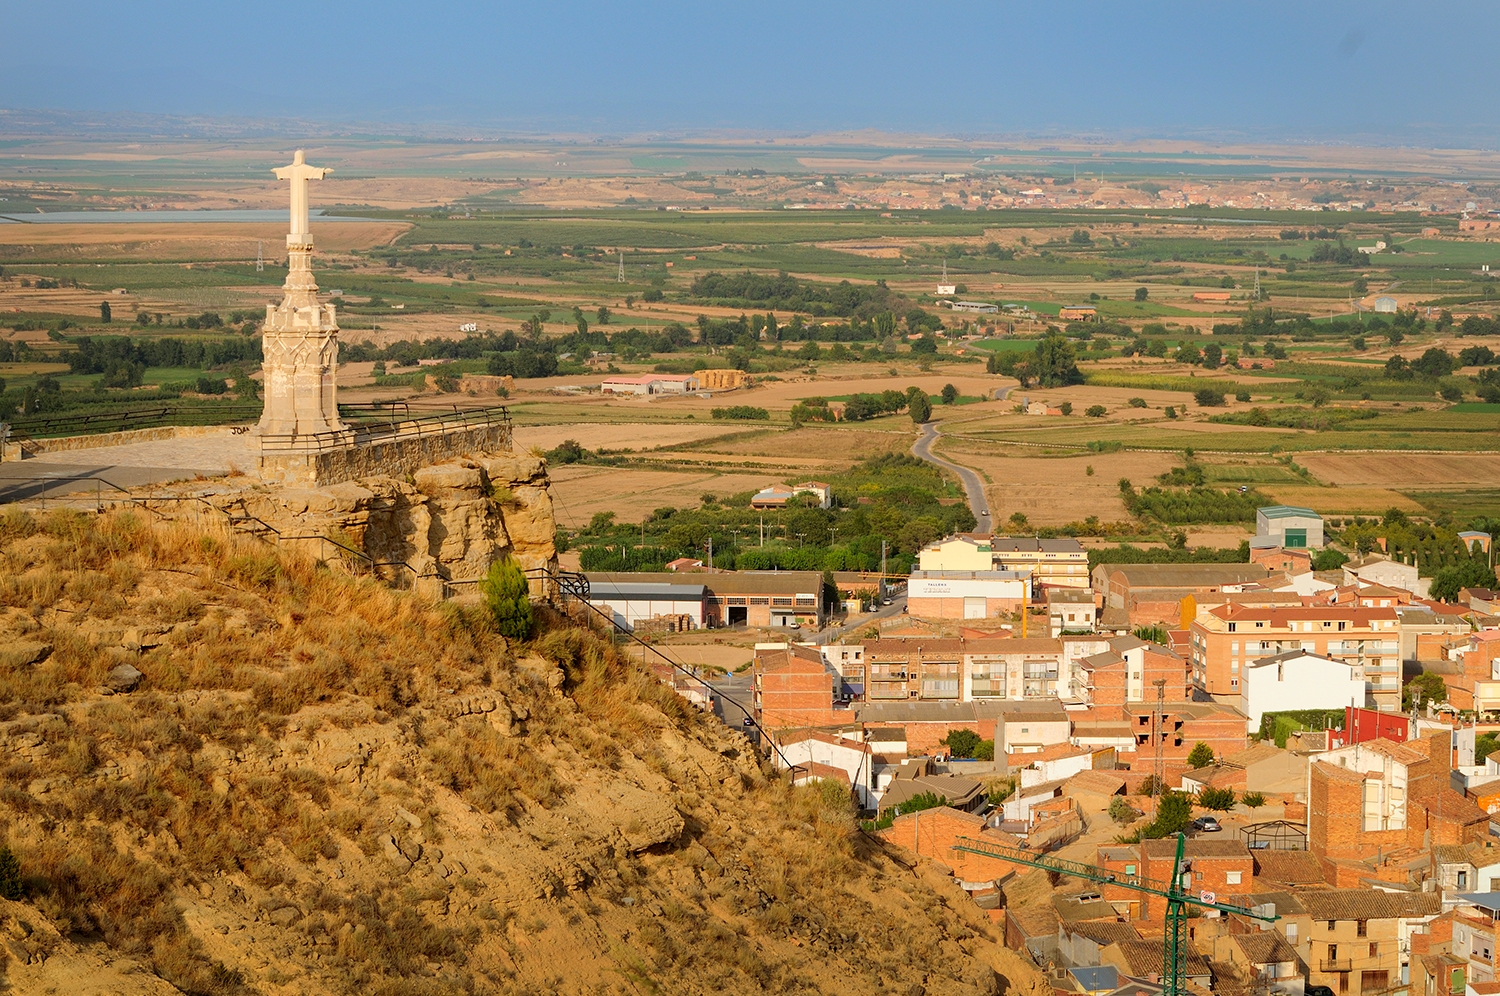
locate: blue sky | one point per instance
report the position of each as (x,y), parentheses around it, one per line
(1413,73)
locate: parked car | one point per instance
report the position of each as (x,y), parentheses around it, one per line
(1206,824)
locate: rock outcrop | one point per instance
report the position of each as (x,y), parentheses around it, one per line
(445,524)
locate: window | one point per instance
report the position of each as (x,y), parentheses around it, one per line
(1231,627)
(1375,949)
(1362,927)
(1232,878)
(1234,667)
(1130,869)
(1234,682)
(1234,646)
(1333,951)
(1463,880)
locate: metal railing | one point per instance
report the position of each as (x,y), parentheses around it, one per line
(365,433)
(93,423)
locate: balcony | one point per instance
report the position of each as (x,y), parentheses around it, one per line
(886,692)
(887,674)
(1337,965)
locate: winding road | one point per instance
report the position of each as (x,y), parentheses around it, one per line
(973,486)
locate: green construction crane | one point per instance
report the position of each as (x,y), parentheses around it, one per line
(1174,944)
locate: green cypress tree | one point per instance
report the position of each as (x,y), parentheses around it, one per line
(508,594)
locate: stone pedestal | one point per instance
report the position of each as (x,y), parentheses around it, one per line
(300,343)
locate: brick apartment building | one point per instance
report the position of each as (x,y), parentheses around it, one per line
(794,687)
(1226,638)
(1383,795)
(1354,936)
(1128,672)
(1152,594)
(1222,867)
(1281,560)
(938,670)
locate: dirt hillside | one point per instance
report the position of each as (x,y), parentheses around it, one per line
(225,771)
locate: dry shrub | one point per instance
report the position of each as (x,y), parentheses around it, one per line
(491,772)
(35,590)
(182,605)
(308,839)
(16,524)
(84,885)
(609,688)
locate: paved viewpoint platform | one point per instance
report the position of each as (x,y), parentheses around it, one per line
(130,465)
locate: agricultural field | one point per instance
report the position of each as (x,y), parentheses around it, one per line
(1283,379)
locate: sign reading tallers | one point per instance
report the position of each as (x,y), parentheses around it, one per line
(300,337)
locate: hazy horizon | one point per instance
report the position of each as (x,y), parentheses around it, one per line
(1374,74)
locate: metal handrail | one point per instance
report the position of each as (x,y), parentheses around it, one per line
(364,434)
(620,629)
(30,427)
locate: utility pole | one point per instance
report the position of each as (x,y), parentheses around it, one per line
(762,530)
(260,259)
(710,552)
(621,277)
(882,570)
(1158,721)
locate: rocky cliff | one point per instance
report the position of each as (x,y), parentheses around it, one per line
(226,769)
(449,521)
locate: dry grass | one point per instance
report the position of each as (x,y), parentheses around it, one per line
(209,779)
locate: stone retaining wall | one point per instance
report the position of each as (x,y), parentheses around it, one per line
(387,458)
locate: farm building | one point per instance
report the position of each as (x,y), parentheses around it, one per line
(1288,526)
(1385,305)
(632,602)
(1078,313)
(651,384)
(965,594)
(977,307)
(1211,297)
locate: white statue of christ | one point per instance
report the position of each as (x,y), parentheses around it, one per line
(299,173)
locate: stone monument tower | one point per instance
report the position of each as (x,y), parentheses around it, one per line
(300,337)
